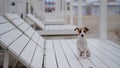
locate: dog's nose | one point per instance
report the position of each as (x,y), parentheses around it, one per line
(82,35)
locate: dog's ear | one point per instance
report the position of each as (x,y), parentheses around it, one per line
(86,29)
(76,29)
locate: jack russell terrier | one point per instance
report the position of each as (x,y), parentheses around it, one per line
(82,47)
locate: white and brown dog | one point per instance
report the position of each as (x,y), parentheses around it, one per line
(82,47)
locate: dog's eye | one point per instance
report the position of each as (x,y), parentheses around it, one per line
(80,31)
(84,31)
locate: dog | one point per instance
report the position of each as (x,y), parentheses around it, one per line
(82,46)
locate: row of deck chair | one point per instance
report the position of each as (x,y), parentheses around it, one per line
(52,29)
(27,46)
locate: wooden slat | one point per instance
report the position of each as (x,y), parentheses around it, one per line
(38,58)
(61,58)
(17,21)
(28,52)
(19,44)
(50,55)
(2,20)
(41,42)
(6,27)
(23,27)
(35,37)
(46,27)
(11,16)
(10,36)
(29,32)
(74,62)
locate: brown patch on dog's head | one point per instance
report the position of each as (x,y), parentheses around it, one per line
(78,30)
(86,29)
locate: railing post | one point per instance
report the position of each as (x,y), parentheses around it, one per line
(103,19)
(71,12)
(80,20)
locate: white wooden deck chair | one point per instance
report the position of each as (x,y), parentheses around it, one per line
(58,29)
(20,45)
(55,30)
(51,20)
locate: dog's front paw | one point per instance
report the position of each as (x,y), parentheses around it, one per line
(84,57)
(88,55)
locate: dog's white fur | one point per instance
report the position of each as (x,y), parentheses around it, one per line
(82,46)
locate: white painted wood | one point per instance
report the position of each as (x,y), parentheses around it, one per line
(71,12)
(55,27)
(46,27)
(11,16)
(103,19)
(29,6)
(57,6)
(111,43)
(24,27)
(38,58)
(109,54)
(61,58)
(41,42)
(57,32)
(61,27)
(29,32)
(17,21)
(10,37)
(50,55)
(17,46)
(5,27)
(109,47)
(65,13)
(80,19)
(27,53)
(97,62)
(103,58)
(35,37)
(73,61)
(36,21)
(6,61)
(2,20)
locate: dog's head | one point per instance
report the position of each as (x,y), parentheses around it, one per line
(81,31)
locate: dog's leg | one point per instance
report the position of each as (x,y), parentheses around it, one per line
(85,54)
(88,53)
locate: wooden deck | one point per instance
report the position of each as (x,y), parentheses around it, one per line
(62,54)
